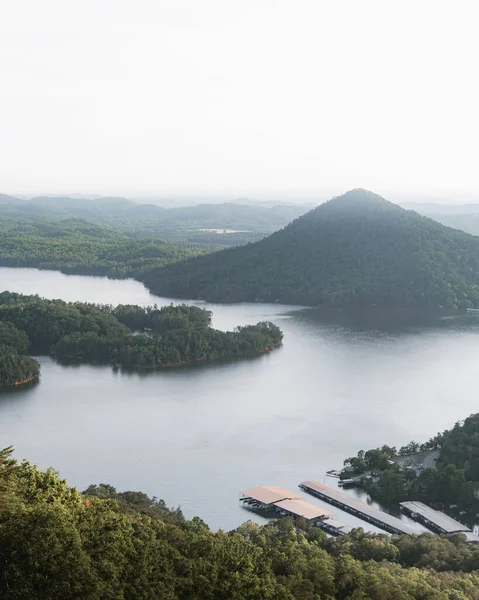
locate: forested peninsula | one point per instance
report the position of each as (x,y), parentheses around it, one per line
(355,250)
(58,544)
(442,471)
(126,336)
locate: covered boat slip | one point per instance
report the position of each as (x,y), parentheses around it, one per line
(335,527)
(435,519)
(267,494)
(356,507)
(301,508)
(279,502)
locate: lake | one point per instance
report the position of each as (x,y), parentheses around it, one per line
(198,436)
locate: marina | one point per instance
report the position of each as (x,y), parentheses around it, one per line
(263,498)
(436,520)
(360,509)
(336,528)
(278,502)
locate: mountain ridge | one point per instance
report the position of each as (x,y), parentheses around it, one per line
(200,223)
(356,249)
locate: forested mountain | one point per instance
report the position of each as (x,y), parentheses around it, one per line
(229,223)
(355,250)
(58,544)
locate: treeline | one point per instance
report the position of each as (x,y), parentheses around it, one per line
(199,224)
(56,543)
(454,480)
(15,367)
(79,247)
(80,332)
(356,250)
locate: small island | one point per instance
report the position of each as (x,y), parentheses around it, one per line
(126,336)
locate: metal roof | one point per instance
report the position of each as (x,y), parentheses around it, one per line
(361,507)
(441,520)
(301,508)
(335,523)
(269,494)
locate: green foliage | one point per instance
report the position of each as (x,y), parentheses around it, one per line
(13,337)
(356,250)
(15,367)
(56,544)
(167,318)
(454,480)
(80,332)
(226,224)
(84,248)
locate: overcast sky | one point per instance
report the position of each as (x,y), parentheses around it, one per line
(293,98)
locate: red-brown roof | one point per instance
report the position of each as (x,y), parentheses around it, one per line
(269,494)
(301,508)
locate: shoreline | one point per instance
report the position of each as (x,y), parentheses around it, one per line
(17,384)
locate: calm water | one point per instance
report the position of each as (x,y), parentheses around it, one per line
(197,436)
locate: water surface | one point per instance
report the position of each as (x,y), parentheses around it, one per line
(197,436)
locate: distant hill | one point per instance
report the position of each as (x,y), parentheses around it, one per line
(458,216)
(357,249)
(9,200)
(226,224)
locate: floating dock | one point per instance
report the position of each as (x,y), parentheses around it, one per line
(267,494)
(277,502)
(436,520)
(357,508)
(334,527)
(301,508)
(280,502)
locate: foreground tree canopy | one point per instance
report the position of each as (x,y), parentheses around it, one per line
(355,250)
(58,544)
(132,337)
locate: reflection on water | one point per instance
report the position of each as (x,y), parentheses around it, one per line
(197,436)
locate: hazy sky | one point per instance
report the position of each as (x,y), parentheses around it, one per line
(239,97)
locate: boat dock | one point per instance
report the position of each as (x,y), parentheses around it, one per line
(334,527)
(277,502)
(280,502)
(436,520)
(356,507)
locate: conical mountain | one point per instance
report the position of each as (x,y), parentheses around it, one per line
(358,249)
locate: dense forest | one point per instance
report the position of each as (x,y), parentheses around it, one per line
(452,479)
(355,250)
(16,367)
(228,223)
(58,544)
(127,336)
(77,246)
